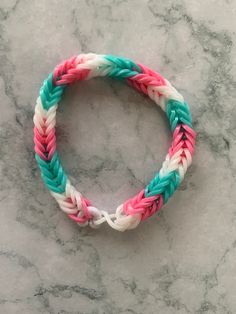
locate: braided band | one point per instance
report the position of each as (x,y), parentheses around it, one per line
(165,182)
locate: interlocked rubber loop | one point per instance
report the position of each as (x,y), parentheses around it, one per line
(165,182)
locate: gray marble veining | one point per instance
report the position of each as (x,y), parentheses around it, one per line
(112,140)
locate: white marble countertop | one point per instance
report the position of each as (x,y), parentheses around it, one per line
(112,140)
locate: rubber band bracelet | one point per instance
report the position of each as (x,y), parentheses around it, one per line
(149,200)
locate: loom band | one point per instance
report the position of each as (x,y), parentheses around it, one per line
(96,222)
(188,156)
(66,209)
(122,62)
(40,144)
(65,203)
(161,185)
(159,80)
(185,163)
(170,166)
(47,104)
(154,209)
(183,130)
(172,187)
(151,72)
(140,87)
(43,137)
(175,117)
(177,130)
(39,117)
(153,94)
(183,120)
(129,210)
(189,147)
(50,94)
(39,139)
(121,74)
(168,193)
(174,121)
(73,76)
(50,141)
(189,130)
(178,142)
(68,206)
(142,78)
(183,144)
(37,124)
(175,104)
(52,187)
(84,210)
(122,223)
(159,203)
(99,72)
(46,152)
(46,136)
(169,92)
(138,204)
(71,208)
(139,198)
(51,112)
(78,74)
(77,219)
(117,220)
(174,156)
(183,168)
(95,213)
(83,58)
(51,150)
(178,138)
(55,183)
(63,67)
(50,119)
(188,143)
(149,212)
(175,149)
(188,138)
(83,215)
(155,74)
(140,209)
(40,147)
(74,195)
(45,90)
(116,72)
(48,128)
(98,67)
(40,153)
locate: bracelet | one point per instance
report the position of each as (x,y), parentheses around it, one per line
(149,200)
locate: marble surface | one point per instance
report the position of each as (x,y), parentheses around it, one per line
(112,140)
